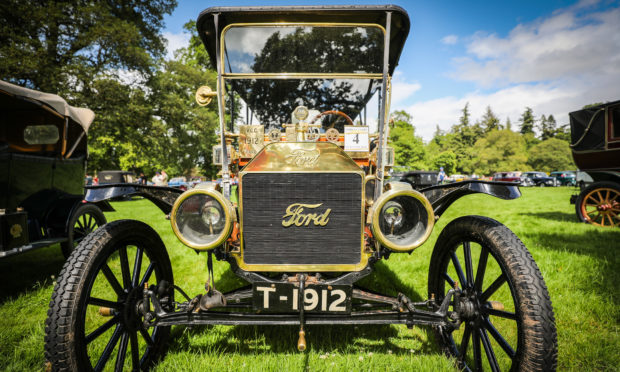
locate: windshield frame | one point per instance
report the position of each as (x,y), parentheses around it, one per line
(293,75)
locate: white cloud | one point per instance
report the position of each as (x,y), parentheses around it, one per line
(553,65)
(401,89)
(564,45)
(174,42)
(450,39)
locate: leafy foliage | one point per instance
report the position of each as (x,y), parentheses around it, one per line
(61,46)
(500,150)
(408,148)
(551,155)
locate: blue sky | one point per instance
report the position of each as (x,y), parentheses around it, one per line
(554,56)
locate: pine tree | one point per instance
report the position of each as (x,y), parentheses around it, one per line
(508,124)
(527,121)
(464,119)
(542,126)
(490,121)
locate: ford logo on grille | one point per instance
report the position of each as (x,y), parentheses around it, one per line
(295,215)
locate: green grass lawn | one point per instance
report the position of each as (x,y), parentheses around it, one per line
(579,263)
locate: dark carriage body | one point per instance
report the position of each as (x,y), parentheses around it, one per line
(595,138)
(43,155)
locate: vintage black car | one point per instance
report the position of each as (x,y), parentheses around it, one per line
(539,179)
(311,216)
(417,179)
(42,162)
(595,136)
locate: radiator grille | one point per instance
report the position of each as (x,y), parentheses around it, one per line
(265,198)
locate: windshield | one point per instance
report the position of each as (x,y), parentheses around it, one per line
(303,49)
(275,68)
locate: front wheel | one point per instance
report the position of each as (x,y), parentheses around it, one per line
(507,320)
(95,319)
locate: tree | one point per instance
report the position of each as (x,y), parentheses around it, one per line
(563,133)
(408,148)
(489,121)
(551,155)
(464,119)
(547,127)
(527,121)
(62,46)
(508,123)
(500,150)
(445,159)
(189,129)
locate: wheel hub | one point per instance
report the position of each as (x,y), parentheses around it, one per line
(468,307)
(131,315)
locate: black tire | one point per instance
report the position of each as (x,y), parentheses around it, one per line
(520,318)
(85,219)
(74,330)
(599,204)
(542,184)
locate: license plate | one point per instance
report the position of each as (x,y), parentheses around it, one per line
(284,298)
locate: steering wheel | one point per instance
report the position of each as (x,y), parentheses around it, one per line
(333,112)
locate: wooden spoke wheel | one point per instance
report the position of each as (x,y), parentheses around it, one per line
(95,319)
(599,204)
(505,314)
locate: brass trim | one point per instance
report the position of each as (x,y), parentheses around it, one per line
(365,255)
(289,75)
(228,214)
(366,179)
(292,75)
(399,190)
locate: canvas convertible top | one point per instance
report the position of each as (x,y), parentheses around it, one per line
(27,98)
(354,14)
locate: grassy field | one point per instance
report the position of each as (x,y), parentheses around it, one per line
(579,263)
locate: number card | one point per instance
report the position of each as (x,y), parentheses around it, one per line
(251,139)
(356,138)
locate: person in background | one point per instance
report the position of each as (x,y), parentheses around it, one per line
(157,179)
(164,178)
(441,176)
(142,179)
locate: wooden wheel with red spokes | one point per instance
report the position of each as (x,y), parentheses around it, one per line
(599,204)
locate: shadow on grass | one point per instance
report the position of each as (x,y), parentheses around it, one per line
(344,339)
(335,338)
(554,216)
(24,272)
(601,244)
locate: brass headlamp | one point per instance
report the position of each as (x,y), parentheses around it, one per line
(202,218)
(401,218)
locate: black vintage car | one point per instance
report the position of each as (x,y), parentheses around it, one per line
(311,216)
(539,179)
(42,162)
(595,135)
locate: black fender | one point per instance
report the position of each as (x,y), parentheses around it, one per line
(163,197)
(442,196)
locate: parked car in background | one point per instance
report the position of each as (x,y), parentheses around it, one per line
(565,178)
(43,153)
(537,179)
(456,178)
(417,179)
(179,183)
(507,176)
(116,176)
(595,137)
